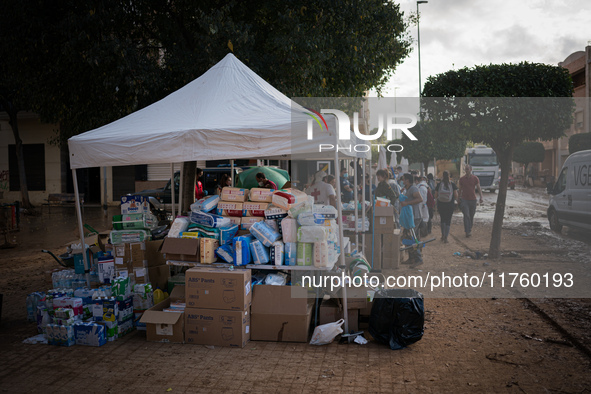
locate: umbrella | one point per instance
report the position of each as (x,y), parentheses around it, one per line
(247,178)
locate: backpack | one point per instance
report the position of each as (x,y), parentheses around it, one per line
(445,194)
(430,199)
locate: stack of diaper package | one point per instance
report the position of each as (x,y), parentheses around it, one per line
(262,226)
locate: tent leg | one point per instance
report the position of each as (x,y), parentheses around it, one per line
(341,243)
(81,229)
(172,188)
(181,190)
(232,171)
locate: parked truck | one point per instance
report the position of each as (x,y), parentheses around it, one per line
(484,165)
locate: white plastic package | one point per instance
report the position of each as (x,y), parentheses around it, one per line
(289,230)
(179,225)
(313,234)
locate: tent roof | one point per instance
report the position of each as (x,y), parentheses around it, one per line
(227,113)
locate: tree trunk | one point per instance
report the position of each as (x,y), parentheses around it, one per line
(525,183)
(20,159)
(495,240)
(189,182)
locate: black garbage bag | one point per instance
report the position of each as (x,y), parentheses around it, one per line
(397,317)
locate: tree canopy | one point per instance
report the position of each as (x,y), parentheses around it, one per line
(85,64)
(529,152)
(579,142)
(501,105)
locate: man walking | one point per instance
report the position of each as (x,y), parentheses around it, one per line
(414,199)
(469,184)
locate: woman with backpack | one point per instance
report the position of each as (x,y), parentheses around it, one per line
(446,194)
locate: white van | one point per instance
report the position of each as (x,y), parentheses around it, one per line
(570,201)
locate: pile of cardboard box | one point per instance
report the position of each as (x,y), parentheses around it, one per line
(385,242)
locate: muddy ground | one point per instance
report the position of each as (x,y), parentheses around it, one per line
(485,344)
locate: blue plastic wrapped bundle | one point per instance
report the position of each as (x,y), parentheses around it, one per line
(264,233)
(242,249)
(226,253)
(205,204)
(259,253)
(291,253)
(209,219)
(327,211)
(277,253)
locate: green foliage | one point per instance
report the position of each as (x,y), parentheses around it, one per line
(529,152)
(431,143)
(82,64)
(579,142)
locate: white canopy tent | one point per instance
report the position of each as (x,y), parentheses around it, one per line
(227,113)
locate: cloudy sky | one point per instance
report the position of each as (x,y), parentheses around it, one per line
(460,33)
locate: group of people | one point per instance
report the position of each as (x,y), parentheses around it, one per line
(226,181)
(423,195)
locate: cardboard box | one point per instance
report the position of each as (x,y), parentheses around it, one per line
(281,327)
(261,194)
(330,312)
(356,297)
(183,249)
(217,327)
(391,250)
(218,288)
(165,326)
(384,220)
(268,299)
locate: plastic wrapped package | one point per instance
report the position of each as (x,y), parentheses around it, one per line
(274,212)
(205,204)
(287,198)
(226,253)
(291,253)
(223,234)
(314,219)
(259,253)
(276,253)
(254,208)
(234,194)
(304,253)
(397,317)
(326,211)
(264,233)
(298,209)
(313,234)
(242,249)
(207,247)
(179,225)
(247,222)
(321,258)
(273,224)
(276,279)
(261,194)
(289,230)
(209,219)
(230,208)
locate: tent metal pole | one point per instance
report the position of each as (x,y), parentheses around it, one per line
(356,198)
(232,171)
(362,249)
(81,229)
(341,243)
(172,188)
(105,194)
(181,190)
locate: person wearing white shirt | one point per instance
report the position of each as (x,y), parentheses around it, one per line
(422,186)
(322,192)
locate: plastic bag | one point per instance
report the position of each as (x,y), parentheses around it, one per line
(407,219)
(397,317)
(326,333)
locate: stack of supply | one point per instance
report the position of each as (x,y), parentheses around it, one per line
(60,335)
(217,307)
(90,334)
(143,299)
(105,311)
(164,322)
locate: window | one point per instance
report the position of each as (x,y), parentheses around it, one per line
(561,182)
(34,157)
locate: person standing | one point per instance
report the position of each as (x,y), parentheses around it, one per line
(414,199)
(199,193)
(226,180)
(469,185)
(264,182)
(387,188)
(322,192)
(346,188)
(424,191)
(446,194)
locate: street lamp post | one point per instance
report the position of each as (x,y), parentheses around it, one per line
(419,44)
